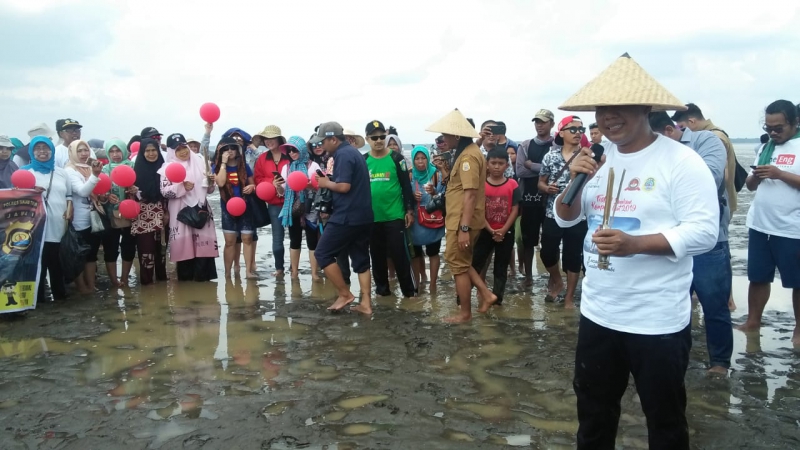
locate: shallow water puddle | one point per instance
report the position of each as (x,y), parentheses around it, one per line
(358,429)
(458,436)
(277,408)
(364,400)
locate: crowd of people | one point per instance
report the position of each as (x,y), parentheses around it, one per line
(381,213)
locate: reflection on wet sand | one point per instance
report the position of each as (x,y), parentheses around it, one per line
(268,366)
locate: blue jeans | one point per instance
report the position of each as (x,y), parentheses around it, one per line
(712,277)
(278,233)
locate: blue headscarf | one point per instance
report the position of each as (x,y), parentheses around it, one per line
(247,138)
(36,165)
(300,165)
(422,176)
(17,145)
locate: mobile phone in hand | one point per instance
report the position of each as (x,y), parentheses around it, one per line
(276,174)
(319,172)
(754,167)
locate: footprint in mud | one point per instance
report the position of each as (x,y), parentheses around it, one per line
(418,347)
(358,402)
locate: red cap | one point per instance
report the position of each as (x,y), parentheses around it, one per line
(564,122)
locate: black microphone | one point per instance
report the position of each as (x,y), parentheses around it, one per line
(580,180)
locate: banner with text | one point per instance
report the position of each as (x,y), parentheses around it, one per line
(22,222)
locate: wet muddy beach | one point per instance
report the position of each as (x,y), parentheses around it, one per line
(263,365)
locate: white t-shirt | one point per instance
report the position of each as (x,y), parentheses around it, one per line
(81,204)
(775,209)
(62,155)
(56,204)
(667,190)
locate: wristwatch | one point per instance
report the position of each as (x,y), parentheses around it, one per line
(464,228)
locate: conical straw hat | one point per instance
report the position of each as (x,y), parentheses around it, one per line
(454,123)
(623,83)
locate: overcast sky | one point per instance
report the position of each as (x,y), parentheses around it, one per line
(118,66)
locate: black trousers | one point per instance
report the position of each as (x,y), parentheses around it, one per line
(603,360)
(52,264)
(115,239)
(502,257)
(388,239)
(531,223)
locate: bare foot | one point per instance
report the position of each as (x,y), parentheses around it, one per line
(528,282)
(315,278)
(432,288)
(461,318)
(555,288)
(251,276)
(364,307)
(731,304)
(341,302)
(228,275)
(279,274)
(569,304)
(796,337)
(748,327)
(295,275)
(717,372)
(487,303)
(521,269)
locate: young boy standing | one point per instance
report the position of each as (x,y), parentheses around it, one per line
(502,206)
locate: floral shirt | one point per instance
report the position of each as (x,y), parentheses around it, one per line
(552,164)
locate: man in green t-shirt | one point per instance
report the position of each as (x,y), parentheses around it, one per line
(393,206)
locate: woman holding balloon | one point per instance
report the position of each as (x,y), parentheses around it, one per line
(235,180)
(297,210)
(192,248)
(83,172)
(56,190)
(119,236)
(149,226)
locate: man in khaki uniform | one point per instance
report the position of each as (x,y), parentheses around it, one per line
(693,119)
(465,204)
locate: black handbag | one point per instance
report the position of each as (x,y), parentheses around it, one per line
(194,216)
(259,211)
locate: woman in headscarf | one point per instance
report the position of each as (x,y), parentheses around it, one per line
(82,173)
(148,228)
(119,235)
(7,166)
(252,148)
(425,174)
(20,154)
(235,179)
(56,191)
(297,213)
(394,144)
(192,249)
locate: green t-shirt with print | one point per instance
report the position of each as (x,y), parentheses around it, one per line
(387,195)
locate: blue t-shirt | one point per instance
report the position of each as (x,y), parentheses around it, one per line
(233,178)
(354,207)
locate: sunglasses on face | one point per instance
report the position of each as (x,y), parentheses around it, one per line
(777,130)
(233,148)
(292,150)
(575,130)
(378,138)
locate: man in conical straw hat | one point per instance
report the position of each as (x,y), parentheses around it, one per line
(465,202)
(635,317)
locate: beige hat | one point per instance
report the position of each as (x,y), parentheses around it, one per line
(41,129)
(623,83)
(454,123)
(190,140)
(5,141)
(360,142)
(271,132)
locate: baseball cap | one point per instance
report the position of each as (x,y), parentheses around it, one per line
(149,132)
(175,140)
(564,122)
(326,130)
(545,115)
(375,125)
(62,124)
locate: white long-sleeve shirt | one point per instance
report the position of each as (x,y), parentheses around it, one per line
(667,190)
(81,205)
(58,191)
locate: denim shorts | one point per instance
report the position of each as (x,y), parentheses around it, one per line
(766,252)
(242,224)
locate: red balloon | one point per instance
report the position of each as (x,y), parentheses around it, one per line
(103,186)
(209,112)
(23,179)
(297,181)
(129,209)
(175,172)
(266,191)
(314,182)
(134,149)
(123,176)
(236,206)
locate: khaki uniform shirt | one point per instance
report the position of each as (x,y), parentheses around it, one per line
(468,172)
(730,169)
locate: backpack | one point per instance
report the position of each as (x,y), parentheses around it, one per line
(740,174)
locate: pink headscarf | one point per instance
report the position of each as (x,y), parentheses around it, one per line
(74,163)
(195,173)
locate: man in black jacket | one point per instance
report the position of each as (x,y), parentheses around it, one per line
(532,207)
(392,206)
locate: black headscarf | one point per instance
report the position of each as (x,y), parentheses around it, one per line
(147,178)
